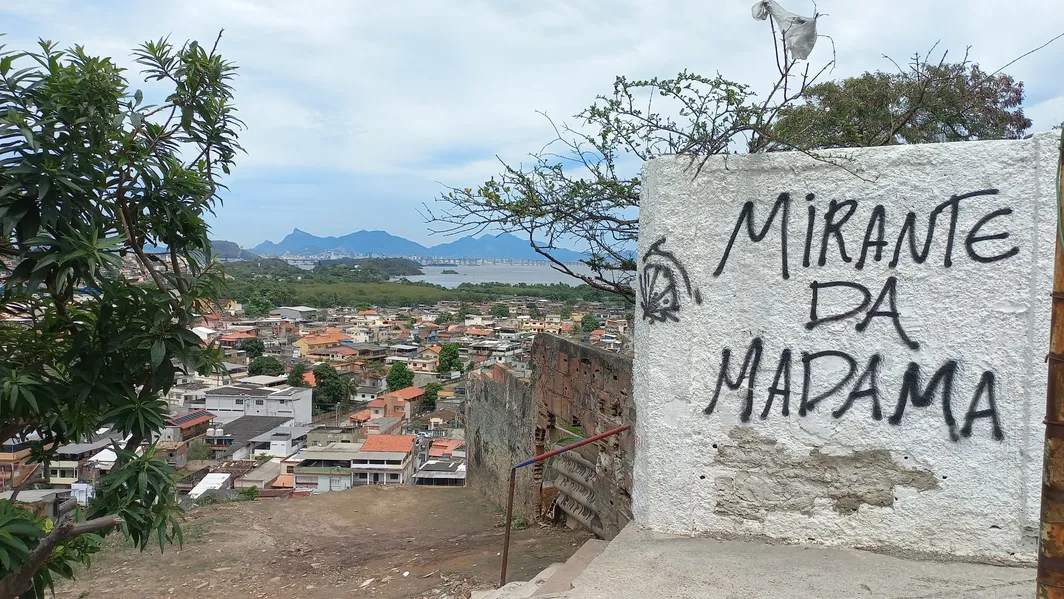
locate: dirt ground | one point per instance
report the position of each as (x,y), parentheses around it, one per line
(377,541)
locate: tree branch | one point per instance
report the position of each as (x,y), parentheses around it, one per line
(19,582)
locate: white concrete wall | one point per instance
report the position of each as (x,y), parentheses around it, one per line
(822,473)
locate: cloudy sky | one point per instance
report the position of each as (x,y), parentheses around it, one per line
(358,111)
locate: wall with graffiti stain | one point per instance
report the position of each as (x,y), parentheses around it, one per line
(847,348)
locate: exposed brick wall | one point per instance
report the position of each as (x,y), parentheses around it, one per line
(581,385)
(499,433)
(510,419)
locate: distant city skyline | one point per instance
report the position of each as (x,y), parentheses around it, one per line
(359,112)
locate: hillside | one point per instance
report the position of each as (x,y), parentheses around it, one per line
(356,543)
(381,243)
(228,250)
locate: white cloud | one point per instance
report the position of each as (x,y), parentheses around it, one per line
(420,91)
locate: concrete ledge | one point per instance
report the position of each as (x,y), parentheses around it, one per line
(641,563)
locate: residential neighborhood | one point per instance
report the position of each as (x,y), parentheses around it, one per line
(270,416)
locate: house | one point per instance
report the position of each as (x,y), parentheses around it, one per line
(235,339)
(420,364)
(320,437)
(442,472)
(14,461)
(325,469)
(233,440)
(280,442)
(261,477)
(370,352)
(234,401)
(320,341)
(480,333)
(427,331)
(71,462)
(368,393)
(403,350)
(335,352)
(385,460)
(382,426)
(401,404)
(361,417)
(264,380)
(296,313)
(446,448)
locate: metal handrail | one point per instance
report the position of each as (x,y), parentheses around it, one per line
(529,462)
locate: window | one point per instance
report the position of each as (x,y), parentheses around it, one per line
(393,462)
(239,402)
(361,475)
(259,402)
(393,476)
(282,401)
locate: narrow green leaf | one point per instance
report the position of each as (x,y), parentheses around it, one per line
(158,350)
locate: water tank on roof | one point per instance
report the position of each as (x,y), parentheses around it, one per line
(210,432)
(218,432)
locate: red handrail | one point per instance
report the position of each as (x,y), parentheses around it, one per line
(529,462)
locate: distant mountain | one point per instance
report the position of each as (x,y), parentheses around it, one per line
(359,242)
(227,250)
(380,243)
(497,246)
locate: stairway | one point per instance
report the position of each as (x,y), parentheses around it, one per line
(554,581)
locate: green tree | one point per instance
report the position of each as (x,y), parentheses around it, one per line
(566,313)
(267,365)
(444,318)
(449,359)
(500,311)
(91,178)
(363,306)
(581,186)
(253,348)
(428,400)
(534,312)
(400,377)
(259,305)
(589,323)
(295,376)
(199,450)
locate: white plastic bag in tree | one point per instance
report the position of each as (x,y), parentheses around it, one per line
(799,33)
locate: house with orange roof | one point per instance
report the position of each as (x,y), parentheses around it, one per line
(403,403)
(385,460)
(481,333)
(320,341)
(444,447)
(235,338)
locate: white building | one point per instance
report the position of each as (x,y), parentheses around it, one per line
(232,402)
(295,312)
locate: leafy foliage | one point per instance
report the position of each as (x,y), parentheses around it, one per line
(199,450)
(253,347)
(400,377)
(331,389)
(444,318)
(90,178)
(927,103)
(500,311)
(582,189)
(428,400)
(449,359)
(589,323)
(534,312)
(295,376)
(267,365)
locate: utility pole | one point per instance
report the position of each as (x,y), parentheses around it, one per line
(1051,538)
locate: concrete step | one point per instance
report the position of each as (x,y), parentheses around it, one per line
(502,592)
(518,589)
(562,580)
(639,563)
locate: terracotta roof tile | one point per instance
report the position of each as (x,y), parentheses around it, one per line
(408,394)
(389,443)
